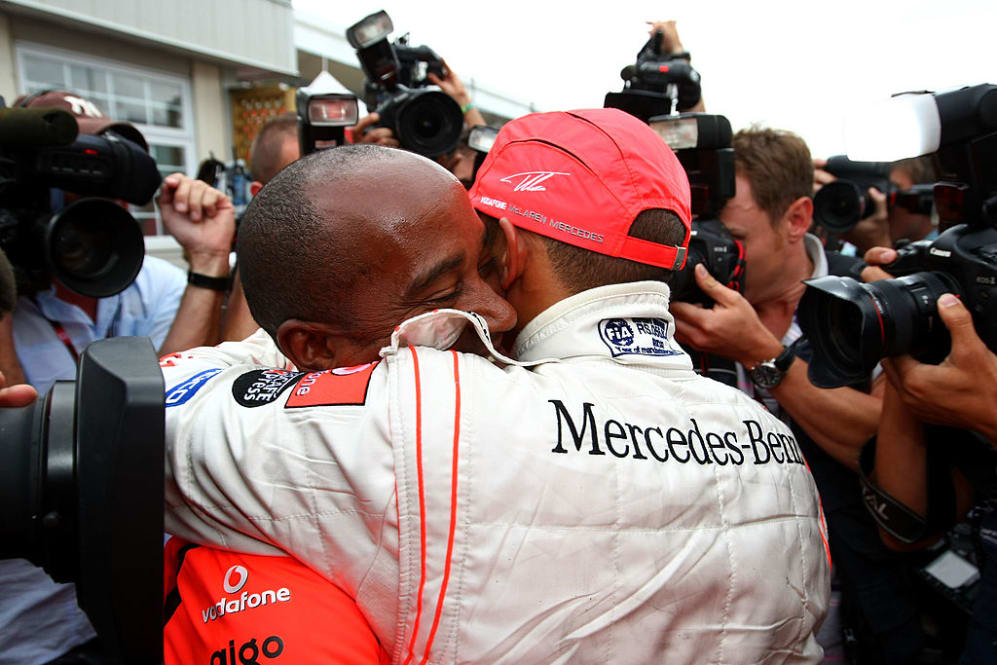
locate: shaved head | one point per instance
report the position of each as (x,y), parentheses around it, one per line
(335,234)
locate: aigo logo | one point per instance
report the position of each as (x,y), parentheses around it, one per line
(243,577)
(529,181)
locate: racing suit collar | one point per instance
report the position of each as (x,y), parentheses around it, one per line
(627,323)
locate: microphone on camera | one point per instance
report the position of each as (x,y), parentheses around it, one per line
(26,128)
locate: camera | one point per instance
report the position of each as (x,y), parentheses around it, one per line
(702,144)
(657,83)
(91,245)
(852,325)
(427,122)
(840,205)
(82,491)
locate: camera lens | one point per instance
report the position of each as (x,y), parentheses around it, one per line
(94,247)
(838,206)
(852,325)
(429,123)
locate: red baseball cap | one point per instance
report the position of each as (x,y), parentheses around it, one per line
(582,177)
(89,118)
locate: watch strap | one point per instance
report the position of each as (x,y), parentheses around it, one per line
(206,282)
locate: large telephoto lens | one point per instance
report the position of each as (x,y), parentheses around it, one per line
(94,247)
(429,122)
(852,326)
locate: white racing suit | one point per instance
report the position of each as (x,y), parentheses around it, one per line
(607,505)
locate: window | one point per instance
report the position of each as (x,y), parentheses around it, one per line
(158,104)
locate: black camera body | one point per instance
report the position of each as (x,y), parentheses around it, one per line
(711,244)
(840,205)
(93,245)
(427,122)
(657,83)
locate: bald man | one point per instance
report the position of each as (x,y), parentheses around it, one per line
(605,504)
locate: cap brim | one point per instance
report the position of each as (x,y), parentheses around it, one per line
(126,130)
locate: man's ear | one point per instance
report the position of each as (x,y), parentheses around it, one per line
(309,345)
(799,216)
(515,254)
(255,187)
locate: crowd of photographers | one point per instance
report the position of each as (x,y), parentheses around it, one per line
(898,429)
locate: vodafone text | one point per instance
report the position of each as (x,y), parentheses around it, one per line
(245,601)
(688,443)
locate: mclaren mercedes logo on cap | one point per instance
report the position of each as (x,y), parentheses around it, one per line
(83,107)
(530,180)
(240,575)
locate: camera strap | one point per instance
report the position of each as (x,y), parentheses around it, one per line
(61,333)
(896,518)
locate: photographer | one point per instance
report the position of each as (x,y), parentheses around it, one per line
(770,214)
(41,340)
(886,224)
(924,476)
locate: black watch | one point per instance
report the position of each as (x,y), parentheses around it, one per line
(205,282)
(769,374)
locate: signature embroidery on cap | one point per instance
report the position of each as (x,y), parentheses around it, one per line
(531,180)
(83,107)
(642,337)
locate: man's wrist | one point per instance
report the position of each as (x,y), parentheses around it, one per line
(762,353)
(210,264)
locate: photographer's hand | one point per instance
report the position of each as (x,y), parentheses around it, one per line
(846,417)
(873,230)
(731,328)
(670,42)
(202,219)
(453,86)
(875,257)
(16,395)
(379,135)
(962,390)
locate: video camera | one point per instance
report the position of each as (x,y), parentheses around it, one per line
(840,205)
(853,325)
(92,245)
(427,122)
(657,84)
(702,144)
(81,492)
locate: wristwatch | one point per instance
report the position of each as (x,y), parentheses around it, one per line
(769,374)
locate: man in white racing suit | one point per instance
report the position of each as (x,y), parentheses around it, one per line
(606,504)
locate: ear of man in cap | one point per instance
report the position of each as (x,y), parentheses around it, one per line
(89,117)
(584,199)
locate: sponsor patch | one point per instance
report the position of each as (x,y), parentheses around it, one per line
(342,386)
(183,392)
(641,337)
(263,386)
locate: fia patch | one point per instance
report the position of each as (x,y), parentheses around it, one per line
(263,386)
(637,336)
(183,392)
(343,386)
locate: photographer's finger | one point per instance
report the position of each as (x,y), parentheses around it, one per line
(195,200)
(363,123)
(874,274)
(879,202)
(181,198)
(879,256)
(168,189)
(714,289)
(959,322)
(209,202)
